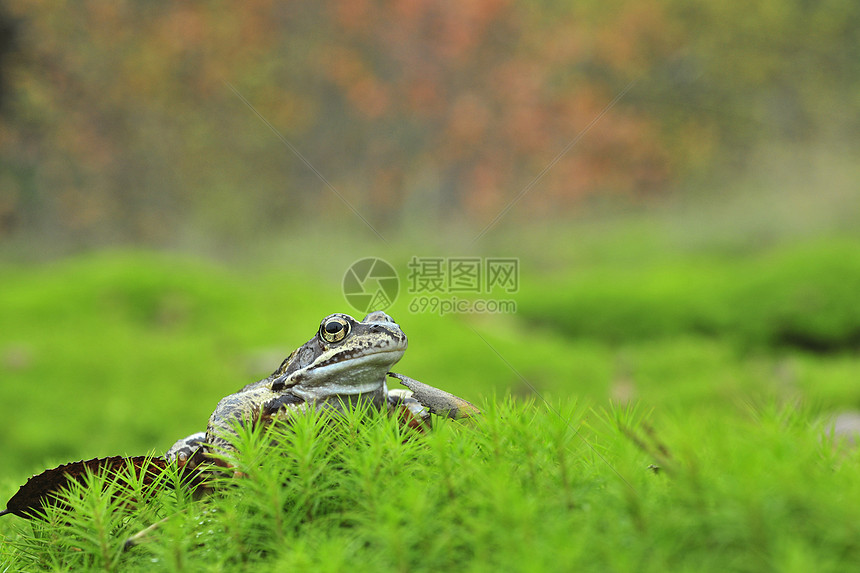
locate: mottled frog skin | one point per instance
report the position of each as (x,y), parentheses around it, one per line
(346,362)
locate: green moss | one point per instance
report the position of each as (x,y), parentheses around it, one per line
(805,298)
(122,353)
(532,486)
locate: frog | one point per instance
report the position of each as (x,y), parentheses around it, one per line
(345,364)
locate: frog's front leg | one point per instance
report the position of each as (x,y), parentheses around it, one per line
(437,401)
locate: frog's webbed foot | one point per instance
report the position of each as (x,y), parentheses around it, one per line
(409,410)
(191,455)
(187,450)
(435,400)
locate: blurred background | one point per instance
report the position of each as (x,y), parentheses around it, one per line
(678,181)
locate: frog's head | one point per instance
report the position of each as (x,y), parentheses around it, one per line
(344,358)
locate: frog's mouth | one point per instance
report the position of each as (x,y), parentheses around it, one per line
(348,376)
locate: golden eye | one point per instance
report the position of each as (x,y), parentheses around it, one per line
(334,329)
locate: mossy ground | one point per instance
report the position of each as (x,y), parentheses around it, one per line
(723,371)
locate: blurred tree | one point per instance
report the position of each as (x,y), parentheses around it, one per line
(8,29)
(123,126)
(755,72)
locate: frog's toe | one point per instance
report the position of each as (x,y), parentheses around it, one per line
(184,449)
(411,411)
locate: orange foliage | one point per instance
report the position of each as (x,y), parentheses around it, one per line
(134,98)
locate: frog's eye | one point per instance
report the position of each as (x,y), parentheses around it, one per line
(334,330)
